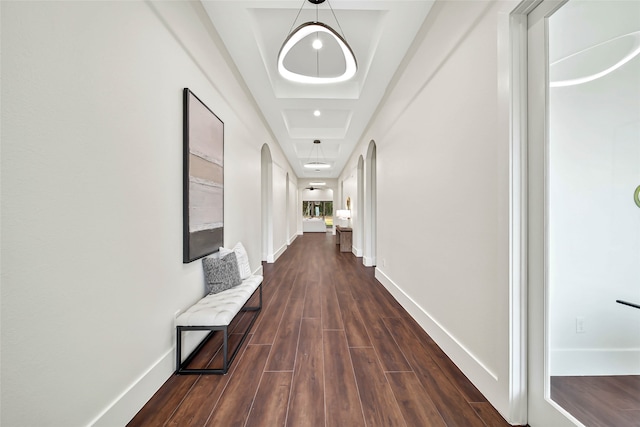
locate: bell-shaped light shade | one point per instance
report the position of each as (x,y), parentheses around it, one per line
(301,32)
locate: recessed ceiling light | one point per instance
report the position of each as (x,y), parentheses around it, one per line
(317,113)
(317,44)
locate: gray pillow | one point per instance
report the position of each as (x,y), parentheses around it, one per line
(221,273)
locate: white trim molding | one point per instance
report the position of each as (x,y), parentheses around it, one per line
(595,362)
(469,364)
(518,302)
(130,401)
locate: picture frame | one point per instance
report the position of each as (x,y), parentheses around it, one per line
(203,179)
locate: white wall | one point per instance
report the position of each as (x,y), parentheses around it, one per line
(442,139)
(92,269)
(594,224)
(317,195)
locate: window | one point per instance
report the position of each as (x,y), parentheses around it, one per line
(321,209)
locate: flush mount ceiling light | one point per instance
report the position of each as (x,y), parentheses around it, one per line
(305,30)
(316,164)
(318,183)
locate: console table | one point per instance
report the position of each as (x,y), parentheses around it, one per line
(343,238)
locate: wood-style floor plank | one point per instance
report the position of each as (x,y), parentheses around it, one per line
(489,415)
(196,408)
(343,403)
(451,404)
(164,402)
(306,405)
(378,401)
(415,404)
(313,300)
(234,405)
(285,345)
(631,417)
(459,380)
(331,316)
(391,357)
(331,347)
(355,330)
(607,401)
(265,332)
(272,399)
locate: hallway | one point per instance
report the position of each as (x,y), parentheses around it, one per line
(331,347)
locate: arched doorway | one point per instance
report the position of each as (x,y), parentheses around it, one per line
(358,232)
(370,207)
(267,203)
(287,209)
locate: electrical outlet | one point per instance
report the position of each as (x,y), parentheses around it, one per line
(384,262)
(580,326)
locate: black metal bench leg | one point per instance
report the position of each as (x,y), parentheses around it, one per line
(178,347)
(257,307)
(225,351)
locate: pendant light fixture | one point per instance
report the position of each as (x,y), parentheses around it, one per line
(316,164)
(306,29)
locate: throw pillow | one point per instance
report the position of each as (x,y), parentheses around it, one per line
(242,257)
(221,273)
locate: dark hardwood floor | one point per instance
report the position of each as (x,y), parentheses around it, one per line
(603,401)
(331,347)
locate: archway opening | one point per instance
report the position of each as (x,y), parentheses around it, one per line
(267,203)
(370,226)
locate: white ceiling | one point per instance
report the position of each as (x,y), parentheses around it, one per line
(379,33)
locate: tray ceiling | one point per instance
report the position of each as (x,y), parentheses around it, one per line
(379,33)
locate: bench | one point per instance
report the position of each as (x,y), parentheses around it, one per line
(214,313)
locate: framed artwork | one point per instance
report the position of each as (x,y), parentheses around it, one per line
(203,179)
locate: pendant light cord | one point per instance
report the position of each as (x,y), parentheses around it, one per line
(332,12)
(317,50)
(294,21)
(336,18)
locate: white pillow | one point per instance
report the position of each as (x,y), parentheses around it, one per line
(241,257)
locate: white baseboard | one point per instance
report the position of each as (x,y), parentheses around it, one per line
(369,261)
(279,252)
(614,361)
(130,401)
(481,376)
(292,238)
(127,405)
(271,258)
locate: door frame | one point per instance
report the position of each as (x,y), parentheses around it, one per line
(525,182)
(518,213)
